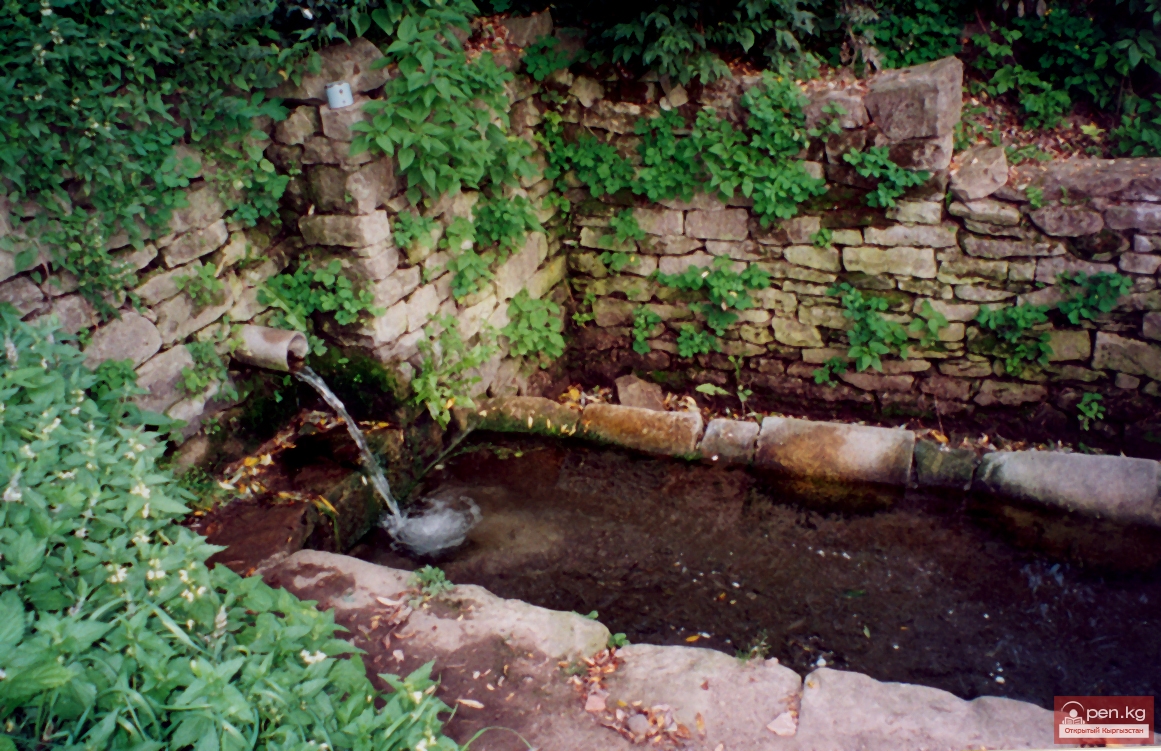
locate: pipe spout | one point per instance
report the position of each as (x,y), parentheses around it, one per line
(275,349)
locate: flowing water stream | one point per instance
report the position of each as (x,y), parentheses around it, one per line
(439,527)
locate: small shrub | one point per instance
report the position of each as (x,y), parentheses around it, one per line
(828,370)
(431,582)
(535,327)
(116,633)
(875,163)
(298,296)
(928,323)
(822,238)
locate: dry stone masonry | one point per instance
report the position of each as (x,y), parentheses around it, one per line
(1002,237)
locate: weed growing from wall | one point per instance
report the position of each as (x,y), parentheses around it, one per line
(1014,339)
(893,180)
(644,321)
(449,368)
(534,328)
(725,289)
(1089,296)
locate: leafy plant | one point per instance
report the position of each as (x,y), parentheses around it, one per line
(711,389)
(411,230)
(916,32)
(431,582)
(759,648)
(928,323)
(1089,408)
(596,164)
(544,57)
(1017,344)
(203,286)
(615,260)
(617,641)
(871,335)
(644,320)
(1089,296)
(670,165)
(534,327)
(504,222)
(742,392)
(893,181)
(692,342)
(580,317)
(116,632)
(822,238)
(94,105)
(447,371)
(1140,131)
(726,289)
(626,228)
(444,116)
(209,368)
(308,290)
(1035,196)
(828,370)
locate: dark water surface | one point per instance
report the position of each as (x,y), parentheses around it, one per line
(935,590)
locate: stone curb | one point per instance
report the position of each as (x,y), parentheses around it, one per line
(1116,488)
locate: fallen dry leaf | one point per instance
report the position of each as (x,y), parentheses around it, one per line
(700,725)
(595,703)
(398,655)
(470,703)
(785,724)
(692,639)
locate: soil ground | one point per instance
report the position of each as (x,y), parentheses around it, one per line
(940,591)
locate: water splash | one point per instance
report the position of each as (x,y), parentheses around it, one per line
(439,528)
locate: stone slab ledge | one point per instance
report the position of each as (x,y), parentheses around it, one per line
(1116,488)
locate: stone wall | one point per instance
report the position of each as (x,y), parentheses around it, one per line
(984,245)
(337,206)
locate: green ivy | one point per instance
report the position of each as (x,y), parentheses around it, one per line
(505,222)
(203,285)
(535,328)
(297,297)
(596,164)
(626,228)
(412,230)
(1089,296)
(449,368)
(117,634)
(670,164)
(544,57)
(692,342)
(644,320)
(725,289)
(1016,342)
(96,98)
(893,181)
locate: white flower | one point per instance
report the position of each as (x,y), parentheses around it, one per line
(143,539)
(184,576)
(119,575)
(188,595)
(3,675)
(140,489)
(27,452)
(82,533)
(66,475)
(138,446)
(51,426)
(12,493)
(145,511)
(311,659)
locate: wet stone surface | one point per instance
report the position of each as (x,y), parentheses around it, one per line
(942,591)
